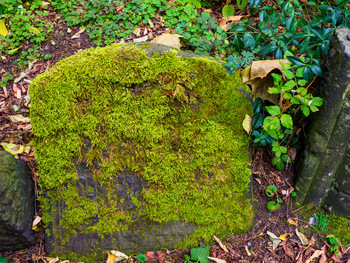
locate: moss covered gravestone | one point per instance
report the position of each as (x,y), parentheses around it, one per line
(139,148)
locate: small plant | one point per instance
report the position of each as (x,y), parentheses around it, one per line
(334,242)
(199,254)
(141,257)
(321,220)
(273,206)
(5,78)
(270,190)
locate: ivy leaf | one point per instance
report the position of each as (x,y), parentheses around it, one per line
(258,105)
(257,121)
(273,110)
(295,60)
(201,254)
(317,70)
(287,121)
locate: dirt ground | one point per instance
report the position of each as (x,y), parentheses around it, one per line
(254,246)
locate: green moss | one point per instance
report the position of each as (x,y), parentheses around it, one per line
(175,122)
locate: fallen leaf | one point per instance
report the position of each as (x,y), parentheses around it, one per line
(3,29)
(317,254)
(275,240)
(34,30)
(50,260)
(217,260)
(19,118)
(149,255)
(14,149)
(223,22)
(36,222)
(21,76)
(283,237)
(77,35)
(287,250)
(247,250)
(292,222)
(27,149)
(137,31)
(208,10)
(258,76)
(224,248)
(302,237)
(115,256)
(140,39)
(69,30)
(247,123)
(171,40)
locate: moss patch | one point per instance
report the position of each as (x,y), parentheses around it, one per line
(174,122)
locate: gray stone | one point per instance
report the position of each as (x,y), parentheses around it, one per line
(323,172)
(16,204)
(154,162)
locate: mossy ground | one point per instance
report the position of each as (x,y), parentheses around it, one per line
(175,122)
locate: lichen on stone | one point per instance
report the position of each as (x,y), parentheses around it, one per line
(174,122)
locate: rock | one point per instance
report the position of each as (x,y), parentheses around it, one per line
(323,175)
(139,148)
(16,204)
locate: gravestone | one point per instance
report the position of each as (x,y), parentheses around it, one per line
(16,204)
(139,147)
(323,176)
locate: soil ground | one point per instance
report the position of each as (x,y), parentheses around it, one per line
(254,246)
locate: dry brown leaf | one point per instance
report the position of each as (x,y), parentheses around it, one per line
(247,250)
(223,22)
(208,10)
(36,222)
(119,8)
(115,256)
(224,248)
(258,76)
(217,260)
(317,254)
(77,35)
(50,260)
(171,40)
(287,250)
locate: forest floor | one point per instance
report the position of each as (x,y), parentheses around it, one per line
(253,246)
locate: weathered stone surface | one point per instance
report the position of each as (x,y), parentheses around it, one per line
(142,148)
(16,204)
(324,174)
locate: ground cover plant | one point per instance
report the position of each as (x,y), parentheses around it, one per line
(34,35)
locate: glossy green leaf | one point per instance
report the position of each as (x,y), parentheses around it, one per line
(257,121)
(317,101)
(296,60)
(289,74)
(258,105)
(316,69)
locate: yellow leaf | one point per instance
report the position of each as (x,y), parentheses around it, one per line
(136,31)
(36,222)
(19,118)
(3,29)
(292,222)
(171,40)
(247,123)
(12,148)
(34,30)
(258,76)
(283,237)
(302,237)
